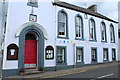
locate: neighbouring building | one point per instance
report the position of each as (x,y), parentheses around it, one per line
(56,35)
(119,30)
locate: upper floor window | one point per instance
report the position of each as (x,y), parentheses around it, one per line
(103,32)
(92,30)
(112,35)
(62,24)
(79,27)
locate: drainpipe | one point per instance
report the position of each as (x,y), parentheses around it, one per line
(55,38)
(1,40)
(73,55)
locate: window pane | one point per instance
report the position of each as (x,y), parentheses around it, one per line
(92,30)
(62,24)
(79,54)
(103,31)
(94,56)
(60,55)
(79,27)
(112,33)
(113,54)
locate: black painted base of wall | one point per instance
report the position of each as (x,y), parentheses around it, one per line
(14,72)
(10,72)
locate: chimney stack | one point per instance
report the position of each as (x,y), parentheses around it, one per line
(93,8)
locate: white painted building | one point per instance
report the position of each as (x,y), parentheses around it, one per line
(64,36)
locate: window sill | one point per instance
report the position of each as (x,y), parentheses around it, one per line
(62,37)
(61,63)
(80,39)
(105,60)
(93,40)
(94,61)
(104,41)
(112,42)
(79,63)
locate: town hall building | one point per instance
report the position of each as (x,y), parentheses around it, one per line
(49,36)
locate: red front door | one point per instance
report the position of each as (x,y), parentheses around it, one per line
(30,54)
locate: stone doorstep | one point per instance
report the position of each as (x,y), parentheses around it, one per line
(30,72)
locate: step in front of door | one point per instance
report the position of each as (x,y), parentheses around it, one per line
(31,71)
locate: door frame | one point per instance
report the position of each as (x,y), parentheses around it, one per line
(40,47)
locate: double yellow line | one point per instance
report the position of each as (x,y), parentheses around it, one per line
(64,74)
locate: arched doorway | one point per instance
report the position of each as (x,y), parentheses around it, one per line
(37,34)
(30,50)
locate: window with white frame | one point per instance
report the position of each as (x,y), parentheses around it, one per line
(113,54)
(79,27)
(79,54)
(61,55)
(103,31)
(112,35)
(94,54)
(105,54)
(62,24)
(92,30)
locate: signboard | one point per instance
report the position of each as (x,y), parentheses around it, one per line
(33,17)
(33,3)
(49,52)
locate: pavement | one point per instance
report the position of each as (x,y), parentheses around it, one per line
(53,74)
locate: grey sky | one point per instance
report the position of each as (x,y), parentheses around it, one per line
(108,8)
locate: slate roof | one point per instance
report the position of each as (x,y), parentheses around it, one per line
(83,10)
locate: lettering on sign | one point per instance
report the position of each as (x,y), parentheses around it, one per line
(33,3)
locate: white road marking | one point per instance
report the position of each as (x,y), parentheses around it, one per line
(105,76)
(102,76)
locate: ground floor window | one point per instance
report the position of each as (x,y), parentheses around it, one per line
(61,55)
(105,54)
(113,54)
(79,54)
(94,54)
